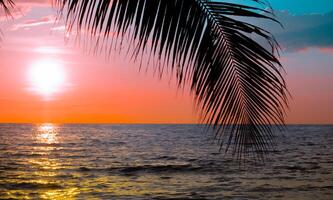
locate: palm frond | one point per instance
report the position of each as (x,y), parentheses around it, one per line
(236,82)
(5,5)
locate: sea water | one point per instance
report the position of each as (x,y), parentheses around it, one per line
(49,161)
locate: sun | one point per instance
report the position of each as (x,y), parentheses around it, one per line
(47,76)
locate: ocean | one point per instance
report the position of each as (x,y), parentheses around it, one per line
(49,161)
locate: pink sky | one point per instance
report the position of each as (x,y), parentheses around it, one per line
(114,91)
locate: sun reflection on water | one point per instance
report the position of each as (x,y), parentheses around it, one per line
(47,133)
(48,166)
(52,170)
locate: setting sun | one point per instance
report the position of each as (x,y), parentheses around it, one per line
(47,76)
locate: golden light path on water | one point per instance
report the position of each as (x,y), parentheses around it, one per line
(46,172)
(47,136)
(41,169)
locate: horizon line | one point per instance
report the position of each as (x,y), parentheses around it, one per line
(150,123)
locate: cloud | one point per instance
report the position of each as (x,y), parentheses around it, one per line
(34,2)
(305,31)
(16,12)
(33,23)
(300,32)
(326,50)
(59,28)
(22,7)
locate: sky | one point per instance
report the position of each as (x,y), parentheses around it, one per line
(80,87)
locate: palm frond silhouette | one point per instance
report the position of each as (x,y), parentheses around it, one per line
(237,83)
(5,5)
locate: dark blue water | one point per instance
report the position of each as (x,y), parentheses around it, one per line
(157,161)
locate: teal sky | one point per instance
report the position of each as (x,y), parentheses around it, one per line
(303,6)
(299,7)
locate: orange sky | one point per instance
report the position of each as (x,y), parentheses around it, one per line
(97,90)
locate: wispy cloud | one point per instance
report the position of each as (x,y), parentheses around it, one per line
(306,31)
(326,50)
(59,28)
(33,23)
(35,2)
(22,7)
(16,12)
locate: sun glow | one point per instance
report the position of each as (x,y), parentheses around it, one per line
(47,76)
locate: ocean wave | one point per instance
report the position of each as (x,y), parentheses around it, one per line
(30,185)
(165,158)
(301,168)
(169,168)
